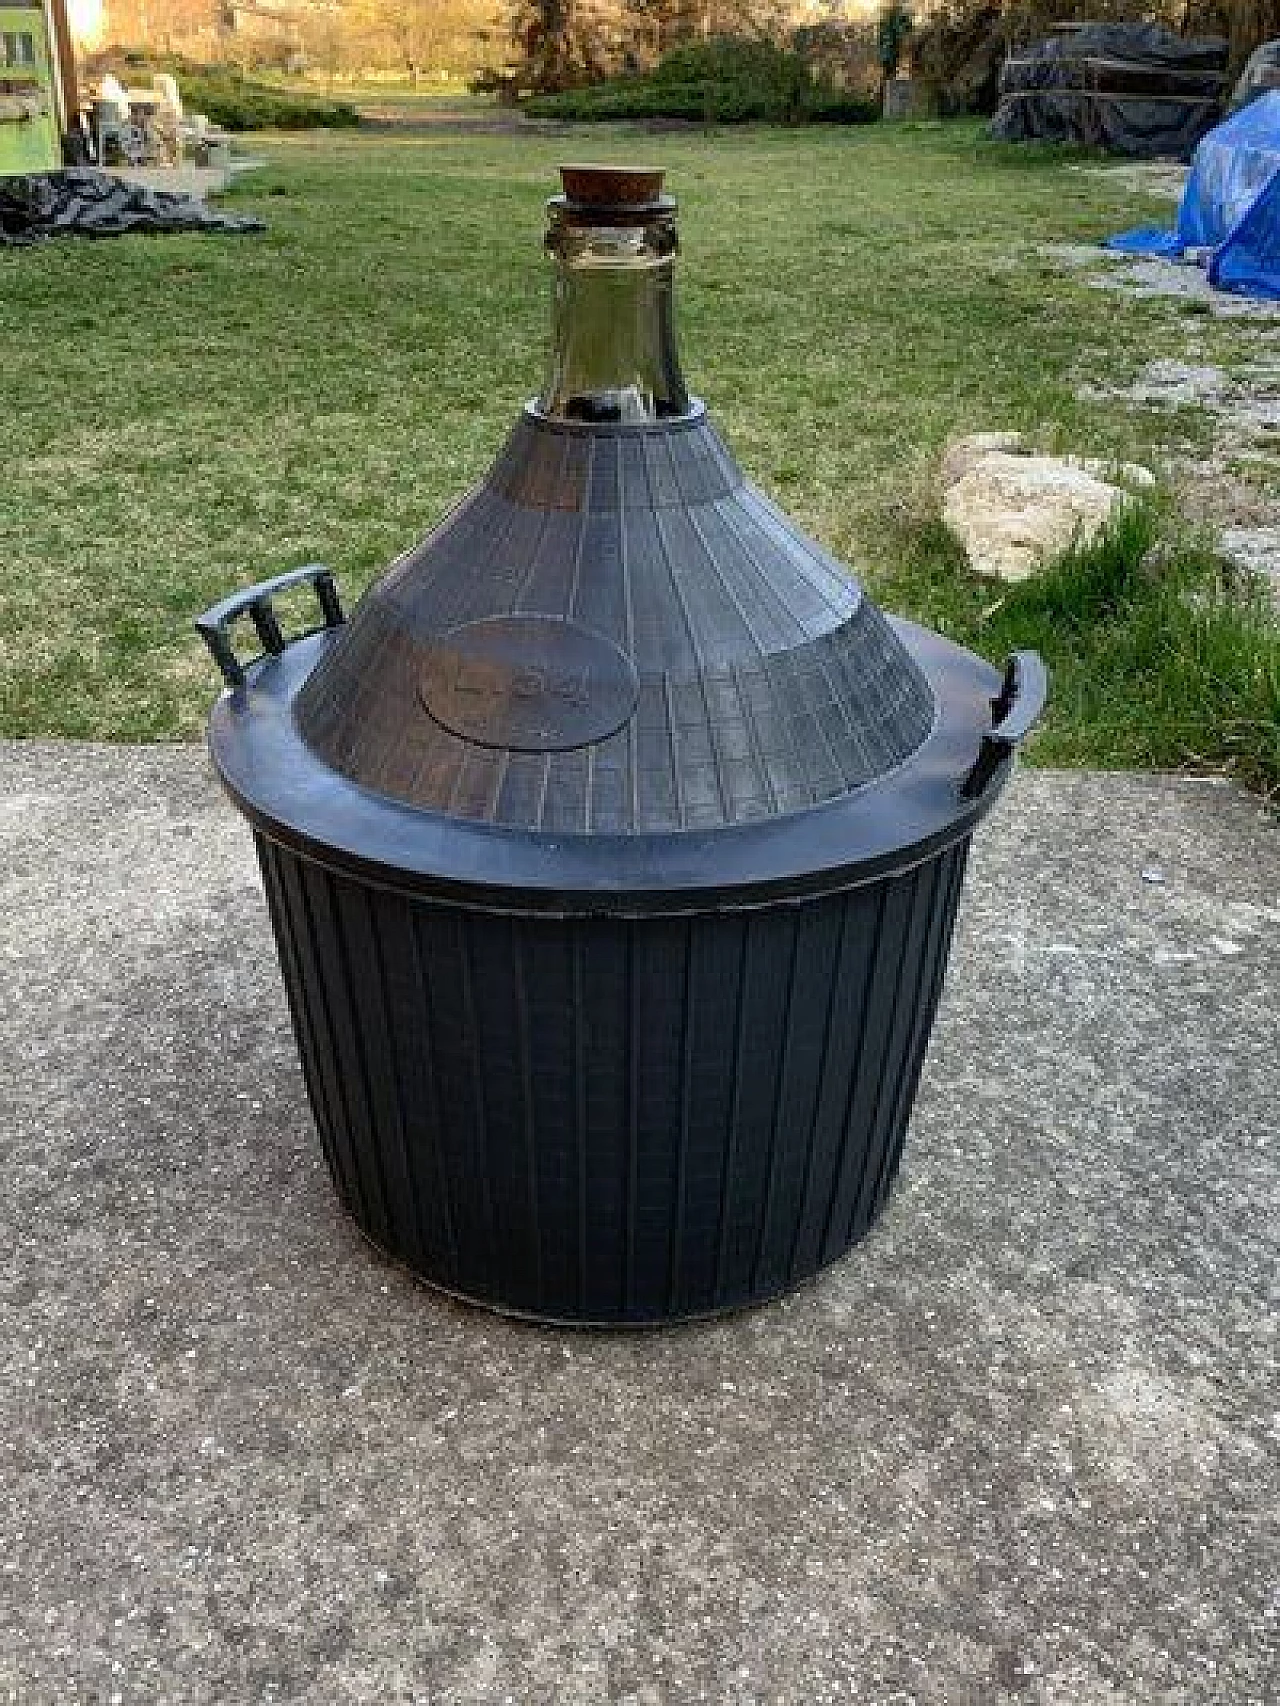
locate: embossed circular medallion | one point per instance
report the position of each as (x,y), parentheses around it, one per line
(532,683)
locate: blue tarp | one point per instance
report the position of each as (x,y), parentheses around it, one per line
(1231,205)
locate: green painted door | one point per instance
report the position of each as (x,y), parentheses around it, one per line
(28,126)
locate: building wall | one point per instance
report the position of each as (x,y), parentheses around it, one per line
(29,131)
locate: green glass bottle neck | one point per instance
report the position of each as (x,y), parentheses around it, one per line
(614,354)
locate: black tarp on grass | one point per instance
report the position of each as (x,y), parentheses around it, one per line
(81,202)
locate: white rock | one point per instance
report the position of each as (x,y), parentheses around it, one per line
(1013,512)
(1012,509)
(1132,475)
(962,454)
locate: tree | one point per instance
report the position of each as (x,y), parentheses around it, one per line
(565,42)
(435,34)
(892,32)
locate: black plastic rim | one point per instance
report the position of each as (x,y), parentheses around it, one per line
(892,824)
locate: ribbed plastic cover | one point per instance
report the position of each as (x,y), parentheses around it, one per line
(615,634)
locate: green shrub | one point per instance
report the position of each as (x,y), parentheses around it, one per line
(840,106)
(234,101)
(723,80)
(237,102)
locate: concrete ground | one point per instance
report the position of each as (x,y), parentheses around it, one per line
(1021,1446)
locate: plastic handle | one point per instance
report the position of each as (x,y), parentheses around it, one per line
(1014,713)
(255,601)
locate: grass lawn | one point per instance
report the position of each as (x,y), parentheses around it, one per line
(184,415)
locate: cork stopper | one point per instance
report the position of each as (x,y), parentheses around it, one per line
(620,194)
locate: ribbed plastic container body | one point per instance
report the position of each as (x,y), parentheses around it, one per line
(608,1120)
